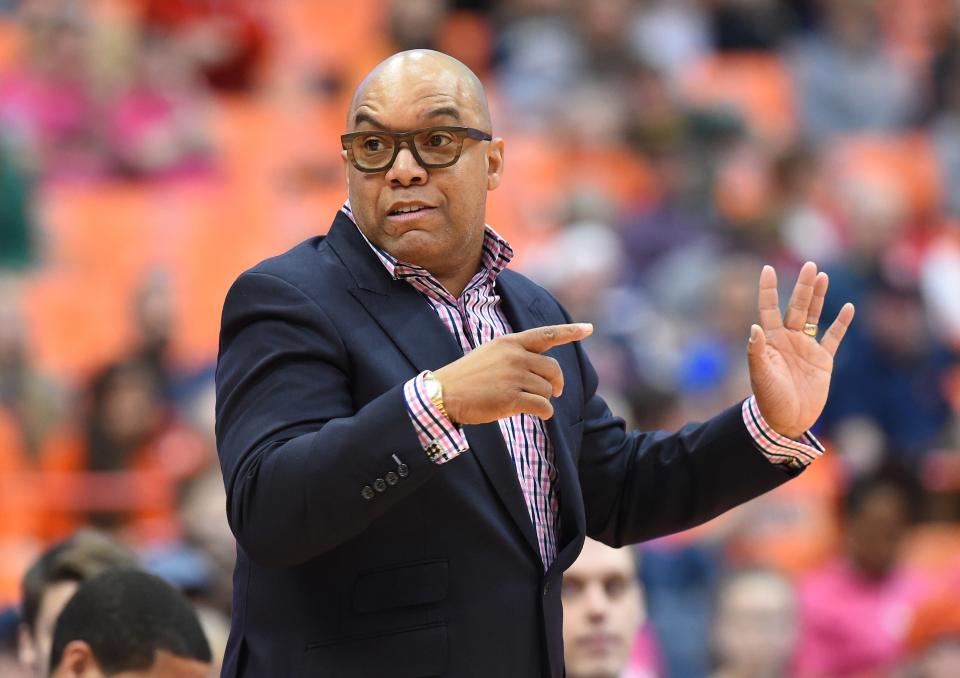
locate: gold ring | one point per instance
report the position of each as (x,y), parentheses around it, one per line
(810,329)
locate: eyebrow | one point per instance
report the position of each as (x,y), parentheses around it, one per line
(362,117)
(448,111)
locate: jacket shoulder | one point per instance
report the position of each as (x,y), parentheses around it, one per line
(304,265)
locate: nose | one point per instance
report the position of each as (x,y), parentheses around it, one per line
(405,170)
(595,601)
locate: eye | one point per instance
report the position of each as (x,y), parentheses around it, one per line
(616,587)
(372,144)
(438,139)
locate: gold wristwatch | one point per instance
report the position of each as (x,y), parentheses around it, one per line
(434,391)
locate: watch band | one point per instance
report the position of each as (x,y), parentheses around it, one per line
(436,393)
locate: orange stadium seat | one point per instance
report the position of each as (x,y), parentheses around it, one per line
(11,39)
(19,511)
(757,87)
(145,491)
(907,161)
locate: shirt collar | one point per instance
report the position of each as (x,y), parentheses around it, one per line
(497,253)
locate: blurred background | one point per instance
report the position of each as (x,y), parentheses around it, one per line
(658,152)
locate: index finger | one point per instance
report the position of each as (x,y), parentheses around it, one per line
(540,339)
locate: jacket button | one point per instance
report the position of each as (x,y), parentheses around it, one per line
(402,469)
(367,492)
(546,588)
(391,478)
(379,485)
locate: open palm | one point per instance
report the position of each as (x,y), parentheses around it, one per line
(789,370)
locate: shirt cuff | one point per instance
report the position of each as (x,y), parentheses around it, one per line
(779,449)
(440,438)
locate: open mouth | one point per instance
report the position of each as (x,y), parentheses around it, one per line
(407,212)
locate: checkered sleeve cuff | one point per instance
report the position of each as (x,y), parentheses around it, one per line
(442,440)
(776,448)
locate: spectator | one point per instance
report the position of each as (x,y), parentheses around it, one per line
(847,80)
(891,378)
(754,628)
(156,123)
(32,401)
(129,623)
(128,427)
(228,40)
(47,106)
(855,612)
(52,580)
(603,614)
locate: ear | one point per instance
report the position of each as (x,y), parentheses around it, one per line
(26,648)
(494,163)
(77,662)
(346,167)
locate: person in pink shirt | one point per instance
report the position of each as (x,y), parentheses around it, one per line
(47,107)
(856,611)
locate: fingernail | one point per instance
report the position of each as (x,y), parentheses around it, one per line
(586,327)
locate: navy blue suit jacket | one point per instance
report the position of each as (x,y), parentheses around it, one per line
(439,574)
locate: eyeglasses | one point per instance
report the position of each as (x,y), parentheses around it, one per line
(432,147)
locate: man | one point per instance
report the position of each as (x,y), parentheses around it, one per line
(53,579)
(129,624)
(602,611)
(754,629)
(410,436)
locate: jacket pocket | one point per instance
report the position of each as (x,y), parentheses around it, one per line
(416,652)
(401,586)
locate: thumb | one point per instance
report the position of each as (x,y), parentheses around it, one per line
(756,343)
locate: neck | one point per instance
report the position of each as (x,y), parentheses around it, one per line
(456,283)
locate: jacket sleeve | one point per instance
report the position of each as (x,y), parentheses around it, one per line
(641,485)
(300,460)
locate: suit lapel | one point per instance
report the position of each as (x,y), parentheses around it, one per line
(416,330)
(524,312)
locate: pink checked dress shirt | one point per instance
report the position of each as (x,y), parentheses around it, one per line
(476,318)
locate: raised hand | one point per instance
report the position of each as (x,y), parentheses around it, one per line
(790,370)
(507,376)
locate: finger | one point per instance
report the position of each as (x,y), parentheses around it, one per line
(833,336)
(541,339)
(536,405)
(756,342)
(537,385)
(801,297)
(820,285)
(770,318)
(546,367)
(755,350)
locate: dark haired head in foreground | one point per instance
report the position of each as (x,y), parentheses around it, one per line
(126,623)
(52,580)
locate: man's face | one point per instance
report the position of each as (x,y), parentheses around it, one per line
(875,531)
(755,628)
(446,234)
(601,611)
(35,648)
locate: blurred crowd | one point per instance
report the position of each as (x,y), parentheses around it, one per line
(658,152)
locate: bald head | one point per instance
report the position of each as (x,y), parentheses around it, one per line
(420,90)
(431,75)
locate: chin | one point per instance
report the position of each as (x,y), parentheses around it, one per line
(607,667)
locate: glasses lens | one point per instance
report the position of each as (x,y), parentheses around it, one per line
(372,151)
(437,146)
